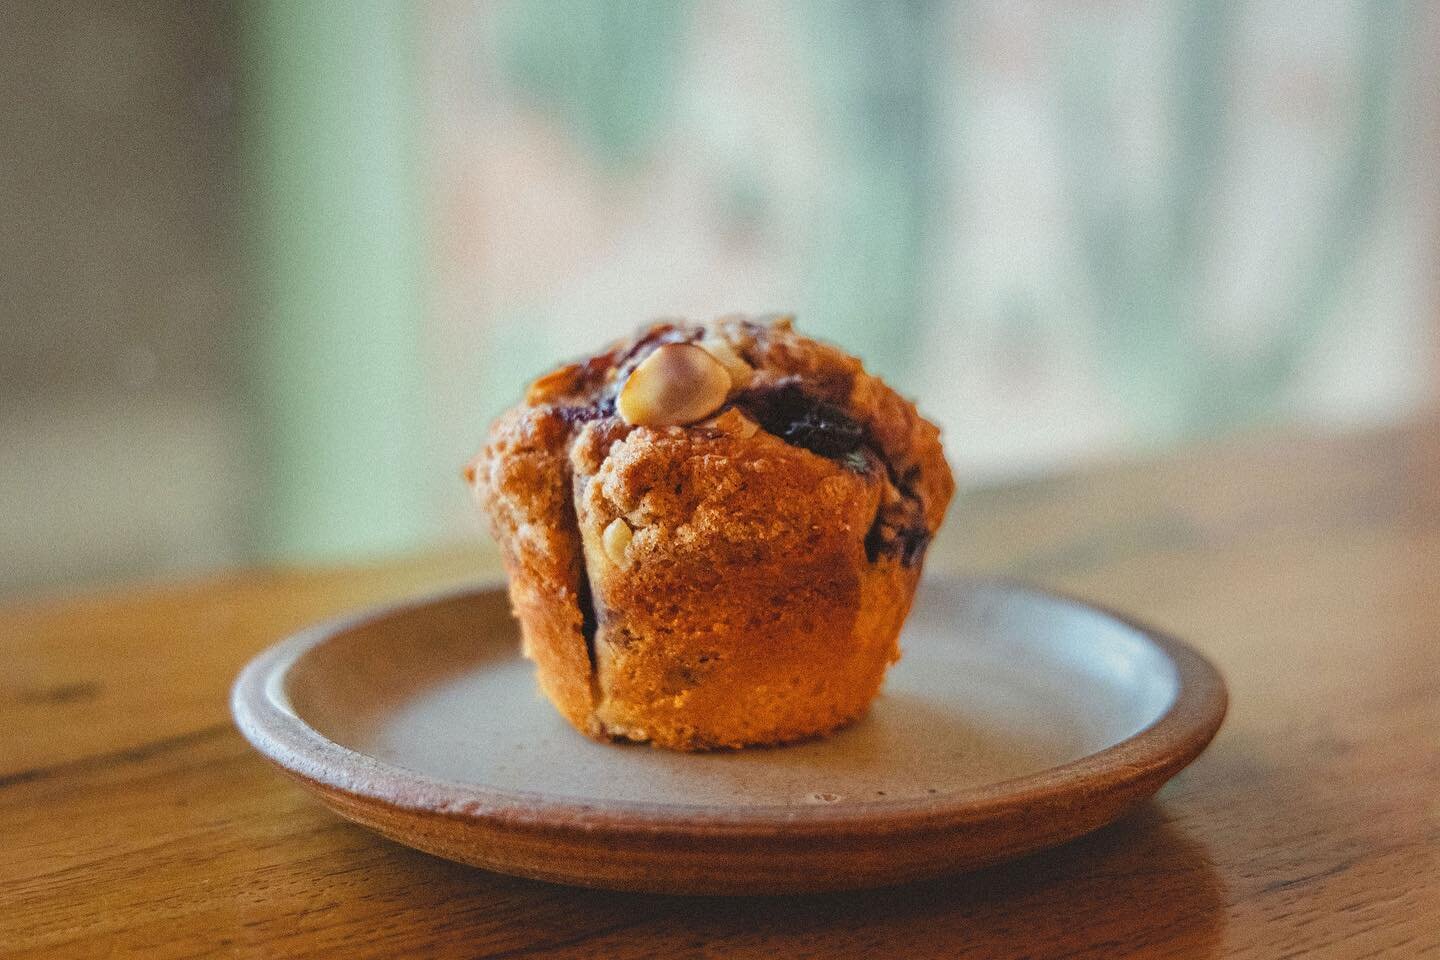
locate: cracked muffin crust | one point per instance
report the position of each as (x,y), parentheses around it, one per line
(713,533)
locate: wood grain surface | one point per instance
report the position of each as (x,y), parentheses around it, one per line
(134,821)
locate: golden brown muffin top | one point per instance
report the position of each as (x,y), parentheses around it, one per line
(807,393)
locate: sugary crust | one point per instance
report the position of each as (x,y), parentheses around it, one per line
(750,605)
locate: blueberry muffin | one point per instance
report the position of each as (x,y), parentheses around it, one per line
(713,532)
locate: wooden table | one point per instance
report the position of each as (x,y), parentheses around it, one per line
(135,821)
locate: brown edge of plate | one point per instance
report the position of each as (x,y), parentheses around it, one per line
(719,850)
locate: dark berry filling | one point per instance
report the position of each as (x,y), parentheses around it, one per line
(585,599)
(907,543)
(800,418)
(576,414)
(795,415)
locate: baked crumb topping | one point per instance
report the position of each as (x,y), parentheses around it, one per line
(808,394)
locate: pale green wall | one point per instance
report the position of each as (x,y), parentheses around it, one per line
(895,106)
(330,133)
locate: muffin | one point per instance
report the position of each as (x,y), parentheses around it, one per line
(713,532)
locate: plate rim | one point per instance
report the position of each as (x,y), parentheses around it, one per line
(1161,749)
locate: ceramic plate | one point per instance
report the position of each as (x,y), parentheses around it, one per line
(1015,721)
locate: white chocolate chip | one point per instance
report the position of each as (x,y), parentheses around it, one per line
(677,384)
(720,348)
(616,540)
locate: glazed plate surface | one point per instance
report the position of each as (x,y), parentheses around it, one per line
(1016,720)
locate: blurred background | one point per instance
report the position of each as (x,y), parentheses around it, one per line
(268,268)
